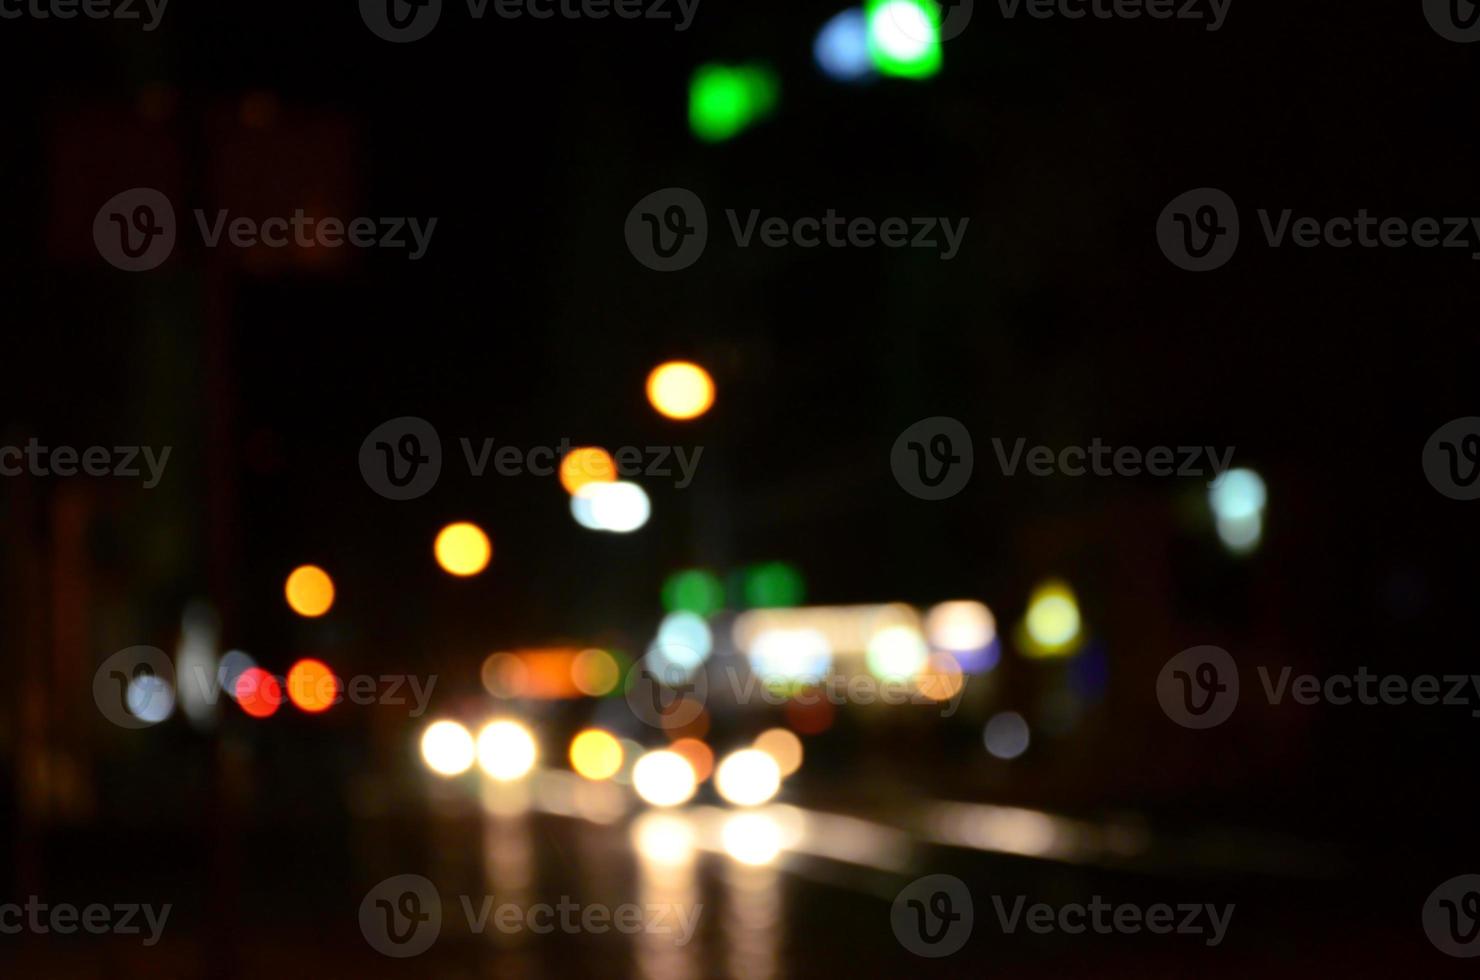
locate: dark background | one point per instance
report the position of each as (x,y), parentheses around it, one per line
(528,321)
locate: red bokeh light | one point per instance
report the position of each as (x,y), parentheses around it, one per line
(811,715)
(258,693)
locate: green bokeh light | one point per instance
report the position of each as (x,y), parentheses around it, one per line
(773,585)
(904,37)
(724,100)
(693,590)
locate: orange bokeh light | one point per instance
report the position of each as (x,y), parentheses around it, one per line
(680,390)
(699,755)
(543,674)
(258,693)
(309,590)
(312,686)
(586,465)
(696,724)
(463,549)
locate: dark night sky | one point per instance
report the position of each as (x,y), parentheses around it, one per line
(528,321)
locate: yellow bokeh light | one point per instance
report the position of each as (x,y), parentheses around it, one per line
(463,549)
(309,590)
(596,754)
(664,840)
(664,778)
(447,748)
(595,672)
(1052,624)
(506,751)
(748,777)
(782,745)
(680,390)
(752,838)
(586,465)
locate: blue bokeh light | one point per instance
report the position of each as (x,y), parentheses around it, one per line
(841,48)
